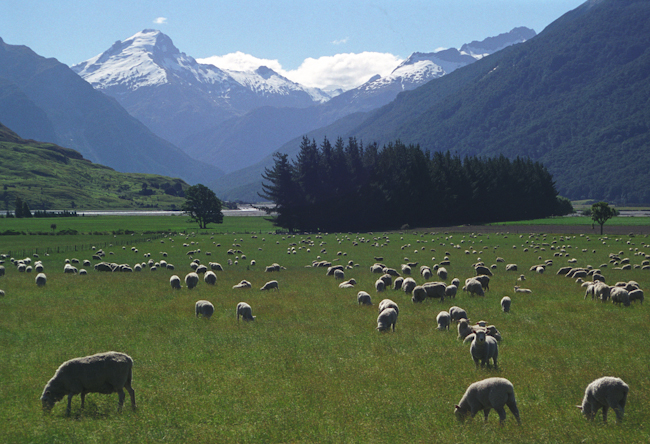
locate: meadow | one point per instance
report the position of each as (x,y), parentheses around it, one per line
(312,367)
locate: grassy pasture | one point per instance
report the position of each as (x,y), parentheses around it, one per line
(312,367)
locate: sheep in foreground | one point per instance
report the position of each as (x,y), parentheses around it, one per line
(387,303)
(210,278)
(270,285)
(245,311)
(505,304)
(41,279)
(106,373)
(175,282)
(490,393)
(605,392)
(387,319)
(191,280)
(484,348)
(203,308)
(363,298)
(443,319)
(243,284)
(619,295)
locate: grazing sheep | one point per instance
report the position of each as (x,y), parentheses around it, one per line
(426,273)
(511,267)
(397,284)
(456,282)
(442,273)
(215,266)
(490,393)
(484,348)
(522,290)
(473,287)
(505,304)
(457,313)
(443,319)
(419,294)
(210,278)
(481,269)
(387,303)
(435,290)
(339,274)
(408,285)
(406,269)
(41,279)
(332,269)
(203,308)
(191,280)
(377,268)
(69,269)
(106,373)
(175,282)
(388,280)
(245,311)
(2,293)
(270,285)
(387,319)
(350,283)
(620,295)
(380,285)
(605,392)
(563,271)
(484,280)
(243,284)
(450,291)
(363,298)
(602,291)
(464,329)
(636,295)
(390,271)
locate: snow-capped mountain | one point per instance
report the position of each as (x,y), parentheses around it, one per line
(175,96)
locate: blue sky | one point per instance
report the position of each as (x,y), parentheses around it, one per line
(285,34)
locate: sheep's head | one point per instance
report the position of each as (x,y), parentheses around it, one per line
(461,413)
(480,336)
(49,399)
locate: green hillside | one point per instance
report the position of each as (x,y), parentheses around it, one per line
(50,177)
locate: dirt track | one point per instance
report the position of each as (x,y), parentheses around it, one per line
(560,229)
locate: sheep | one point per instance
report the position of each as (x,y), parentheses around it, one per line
(522,290)
(426,273)
(2,293)
(243,284)
(175,282)
(563,271)
(442,273)
(69,269)
(203,308)
(350,283)
(419,294)
(377,268)
(270,285)
(380,285)
(511,267)
(210,278)
(332,269)
(390,271)
(484,280)
(387,303)
(605,392)
(397,284)
(464,329)
(41,279)
(406,269)
(457,313)
(244,310)
(201,269)
(387,319)
(456,282)
(435,290)
(490,393)
(450,291)
(388,280)
(215,266)
(443,319)
(484,348)
(106,373)
(472,286)
(636,295)
(363,298)
(481,269)
(191,280)
(620,295)
(408,285)
(505,304)
(602,291)
(2,270)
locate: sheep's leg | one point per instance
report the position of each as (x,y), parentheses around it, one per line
(69,409)
(132,395)
(476,362)
(605,409)
(121,396)
(486,412)
(515,411)
(502,413)
(83,399)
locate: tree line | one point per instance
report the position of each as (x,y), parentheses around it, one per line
(352,187)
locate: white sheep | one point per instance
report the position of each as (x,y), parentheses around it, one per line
(191,280)
(107,373)
(450,291)
(490,393)
(387,303)
(175,282)
(363,298)
(245,311)
(419,294)
(511,267)
(484,348)
(210,278)
(457,313)
(387,319)
(271,285)
(442,273)
(203,308)
(380,285)
(41,279)
(443,319)
(473,287)
(518,289)
(636,295)
(397,284)
(350,283)
(408,285)
(605,392)
(243,284)
(505,304)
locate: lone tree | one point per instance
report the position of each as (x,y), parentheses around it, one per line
(202,205)
(601,212)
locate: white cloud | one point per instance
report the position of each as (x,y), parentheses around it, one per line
(344,71)
(340,42)
(160,20)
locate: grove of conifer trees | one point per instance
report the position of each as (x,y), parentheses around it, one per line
(349,187)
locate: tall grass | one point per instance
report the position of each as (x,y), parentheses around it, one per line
(312,367)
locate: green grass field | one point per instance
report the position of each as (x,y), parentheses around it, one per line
(312,367)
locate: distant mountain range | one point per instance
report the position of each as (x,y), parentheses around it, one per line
(45,100)
(575,97)
(233,119)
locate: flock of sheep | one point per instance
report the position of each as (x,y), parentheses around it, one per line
(111,372)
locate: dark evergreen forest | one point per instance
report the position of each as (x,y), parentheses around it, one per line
(349,187)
